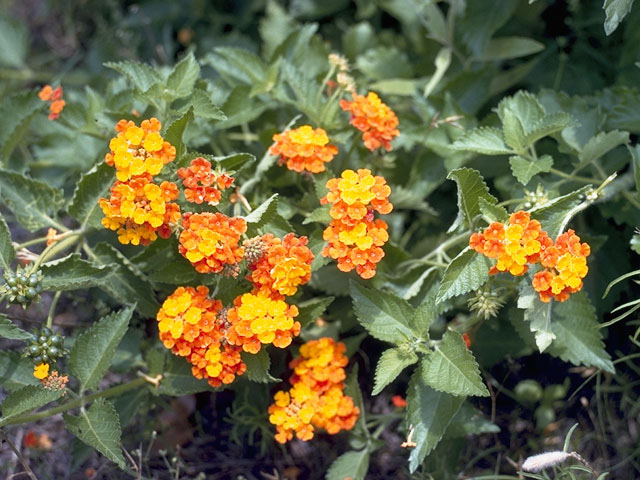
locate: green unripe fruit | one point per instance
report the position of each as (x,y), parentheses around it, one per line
(30,293)
(528,391)
(56,340)
(33,350)
(33,280)
(12,281)
(37,359)
(22,278)
(46,331)
(53,352)
(15,289)
(45,357)
(21,299)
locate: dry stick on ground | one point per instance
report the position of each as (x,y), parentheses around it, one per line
(5,438)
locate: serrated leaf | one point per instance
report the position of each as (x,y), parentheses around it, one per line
(34,203)
(320,215)
(524,169)
(483,140)
(99,427)
(141,75)
(390,365)
(471,187)
(548,125)
(235,161)
(451,368)
(175,132)
(16,113)
(578,338)
(258,365)
(504,48)
(553,214)
(9,330)
(538,314)
(238,63)
(177,379)
(353,465)
(92,186)
(204,107)
(26,399)
(429,412)
(13,42)
(124,283)
(495,213)
(615,11)
(310,310)
(513,131)
(7,252)
(385,316)
(352,389)
(183,76)
(524,106)
(600,145)
(467,271)
(264,213)
(93,350)
(72,272)
(15,371)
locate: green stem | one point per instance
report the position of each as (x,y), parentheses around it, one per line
(109,392)
(52,308)
(28,243)
(572,176)
(447,244)
(66,240)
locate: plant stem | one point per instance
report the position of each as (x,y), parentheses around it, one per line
(26,467)
(52,308)
(66,240)
(572,176)
(446,244)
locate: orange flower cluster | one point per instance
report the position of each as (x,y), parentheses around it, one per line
(565,266)
(210,240)
(139,150)
(303,149)
(192,326)
(523,242)
(202,184)
(258,318)
(354,237)
(54,96)
(316,399)
(372,117)
(139,210)
(283,266)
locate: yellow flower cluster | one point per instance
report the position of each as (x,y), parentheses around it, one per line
(303,149)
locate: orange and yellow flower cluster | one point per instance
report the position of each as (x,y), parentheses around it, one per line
(377,122)
(139,209)
(202,184)
(192,325)
(354,237)
(303,149)
(54,97)
(523,242)
(316,399)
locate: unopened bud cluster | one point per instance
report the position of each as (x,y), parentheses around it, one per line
(21,287)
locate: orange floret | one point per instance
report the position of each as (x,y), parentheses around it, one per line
(54,96)
(261,318)
(372,117)
(303,149)
(210,240)
(283,266)
(202,184)
(139,150)
(139,210)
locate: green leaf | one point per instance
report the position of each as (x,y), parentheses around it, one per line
(467,272)
(93,350)
(470,421)
(34,203)
(635,164)
(578,338)
(177,379)
(353,465)
(483,140)
(13,42)
(548,125)
(615,10)
(321,215)
(451,368)
(429,412)
(72,272)
(125,283)
(538,314)
(16,113)
(601,144)
(204,107)
(495,213)
(553,214)
(524,106)
(9,330)
(310,310)
(513,131)
(26,399)
(183,76)
(264,213)
(15,371)
(99,427)
(238,63)
(141,75)
(258,366)
(524,169)
(471,187)
(175,132)
(505,48)
(7,252)
(390,365)
(385,316)
(235,161)
(92,186)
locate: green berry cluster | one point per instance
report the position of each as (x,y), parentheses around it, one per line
(45,347)
(22,287)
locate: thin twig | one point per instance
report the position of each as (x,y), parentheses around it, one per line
(26,467)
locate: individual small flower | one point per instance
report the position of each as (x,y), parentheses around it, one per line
(139,150)
(467,340)
(284,265)
(377,122)
(202,184)
(51,236)
(211,240)
(303,149)
(260,318)
(398,401)
(140,211)
(41,371)
(54,96)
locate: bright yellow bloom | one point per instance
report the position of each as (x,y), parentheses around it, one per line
(303,149)
(41,371)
